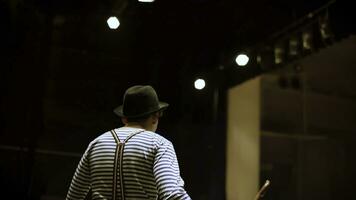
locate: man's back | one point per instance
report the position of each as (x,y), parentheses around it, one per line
(150,168)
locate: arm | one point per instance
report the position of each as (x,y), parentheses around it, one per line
(170,185)
(80,184)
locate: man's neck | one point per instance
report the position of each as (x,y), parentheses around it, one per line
(134,125)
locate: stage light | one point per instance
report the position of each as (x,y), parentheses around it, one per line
(259,59)
(242,59)
(146,1)
(279,54)
(307,39)
(293,46)
(113,22)
(324,26)
(199,84)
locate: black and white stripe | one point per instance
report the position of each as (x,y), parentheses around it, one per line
(150,168)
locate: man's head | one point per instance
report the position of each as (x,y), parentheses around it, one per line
(148,122)
(141,106)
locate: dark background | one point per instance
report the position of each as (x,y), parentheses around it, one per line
(63,71)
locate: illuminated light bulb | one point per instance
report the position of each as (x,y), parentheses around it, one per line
(242,60)
(199,84)
(113,22)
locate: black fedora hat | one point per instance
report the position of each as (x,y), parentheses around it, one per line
(139,100)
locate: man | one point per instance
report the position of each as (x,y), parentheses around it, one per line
(131,162)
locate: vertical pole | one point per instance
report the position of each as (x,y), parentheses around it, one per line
(218,138)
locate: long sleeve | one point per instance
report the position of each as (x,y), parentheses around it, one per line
(167,174)
(80,184)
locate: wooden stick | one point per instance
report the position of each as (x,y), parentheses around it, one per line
(263,190)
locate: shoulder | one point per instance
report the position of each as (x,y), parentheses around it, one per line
(160,141)
(148,136)
(159,138)
(103,137)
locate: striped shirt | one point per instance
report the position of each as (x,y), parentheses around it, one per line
(150,168)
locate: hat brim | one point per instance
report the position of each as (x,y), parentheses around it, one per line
(119,110)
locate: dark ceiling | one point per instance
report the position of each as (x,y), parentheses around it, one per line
(157,42)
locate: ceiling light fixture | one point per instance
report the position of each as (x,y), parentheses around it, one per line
(242,60)
(113,22)
(146,1)
(199,84)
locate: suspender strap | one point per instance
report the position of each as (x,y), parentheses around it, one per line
(119,153)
